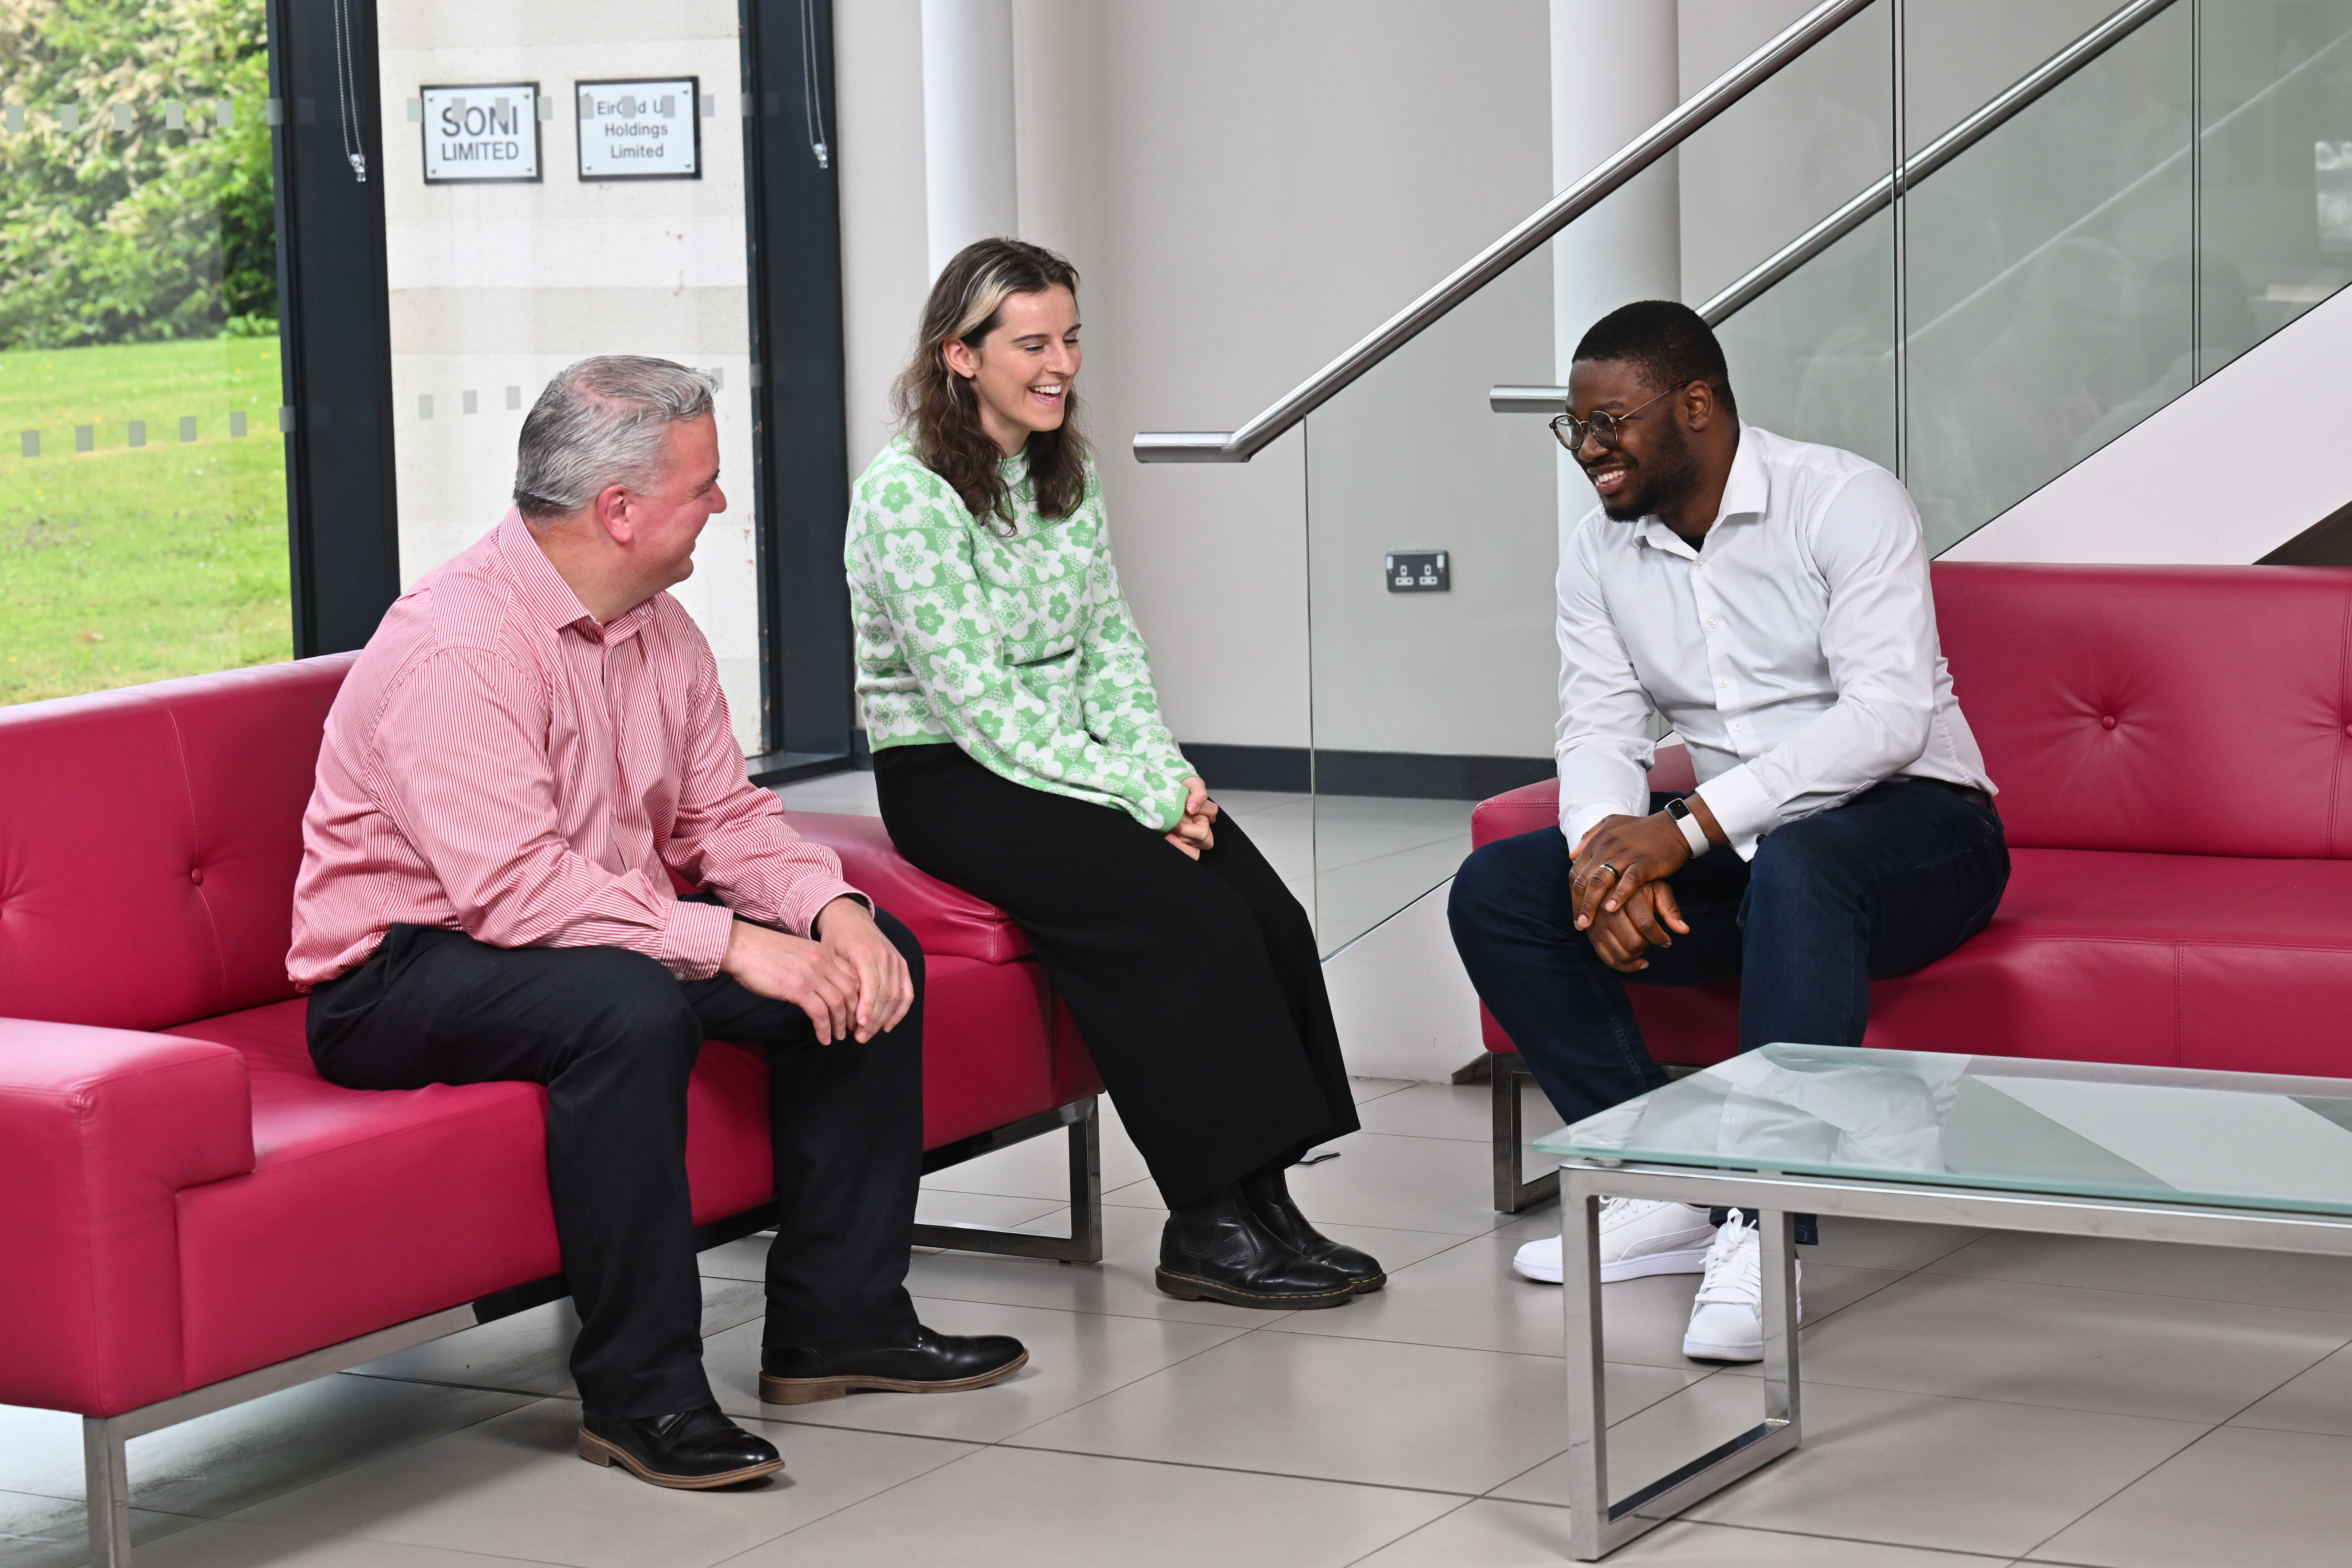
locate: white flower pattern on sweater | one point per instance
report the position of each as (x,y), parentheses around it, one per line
(1022,650)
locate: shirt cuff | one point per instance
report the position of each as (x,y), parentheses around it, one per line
(695,940)
(809,899)
(1741,808)
(1577,820)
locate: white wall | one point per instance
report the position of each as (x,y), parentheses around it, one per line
(501,285)
(1247,188)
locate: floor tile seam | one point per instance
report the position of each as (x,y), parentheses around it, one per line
(1235,1338)
(2125,1486)
(1322,866)
(2343,1317)
(1235,1470)
(81,1506)
(2005,1559)
(1407,1535)
(1810,1381)
(2282,1383)
(2114,1291)
(388,1540)
(1094,1311)
(1346,1225)
(974,1448)
(377,1456)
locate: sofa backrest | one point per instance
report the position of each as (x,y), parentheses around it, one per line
(2179,710)
(149,839)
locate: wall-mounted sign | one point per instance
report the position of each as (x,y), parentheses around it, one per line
(640,130)
(482,131)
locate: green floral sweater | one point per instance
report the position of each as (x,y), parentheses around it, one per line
(1021,650)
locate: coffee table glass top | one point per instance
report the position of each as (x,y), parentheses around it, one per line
(2163,1134)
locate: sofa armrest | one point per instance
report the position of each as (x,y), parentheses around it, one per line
(103,1128)
(1530,807)
(944,918)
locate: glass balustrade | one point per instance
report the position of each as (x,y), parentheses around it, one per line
(2123,236)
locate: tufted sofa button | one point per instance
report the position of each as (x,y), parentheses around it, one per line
(196,875)
(2107,722)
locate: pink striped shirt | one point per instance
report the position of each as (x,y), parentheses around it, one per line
(498,763)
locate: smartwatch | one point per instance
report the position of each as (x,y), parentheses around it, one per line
(1693,833)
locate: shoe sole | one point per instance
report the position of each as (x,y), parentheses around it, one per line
(1700,1351)
(774,1390)
(1688,1262)
(597,1451)
(1189,1287)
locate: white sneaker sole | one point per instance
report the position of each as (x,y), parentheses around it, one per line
(1699,1350)
(1692,1260)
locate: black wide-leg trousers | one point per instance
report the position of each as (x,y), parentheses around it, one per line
(614,1036)
(1196,983)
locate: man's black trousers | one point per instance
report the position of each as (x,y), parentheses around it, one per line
(614,1036)
(1195,982)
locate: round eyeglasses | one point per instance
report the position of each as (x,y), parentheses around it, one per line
(1605,427)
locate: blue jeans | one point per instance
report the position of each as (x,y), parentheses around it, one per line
(1886,884)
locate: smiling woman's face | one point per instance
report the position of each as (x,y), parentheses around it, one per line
(1021,371)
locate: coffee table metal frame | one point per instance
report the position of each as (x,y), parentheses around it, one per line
(1597,1527)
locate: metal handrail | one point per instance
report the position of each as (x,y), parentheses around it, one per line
(1868,202)
(1240,445)
(1554,399)
(1996,112)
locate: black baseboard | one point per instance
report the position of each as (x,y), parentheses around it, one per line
(1420,775)
(789,767)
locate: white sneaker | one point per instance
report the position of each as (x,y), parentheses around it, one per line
(1727,1320)
(1638,1237)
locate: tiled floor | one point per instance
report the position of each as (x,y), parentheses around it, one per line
(1374,855)
(1970,1399)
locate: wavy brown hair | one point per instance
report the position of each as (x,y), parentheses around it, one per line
(941,409)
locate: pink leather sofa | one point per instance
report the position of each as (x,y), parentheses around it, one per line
(2174,750)
(192,1217)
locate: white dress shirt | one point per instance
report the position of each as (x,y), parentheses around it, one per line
(1794,651)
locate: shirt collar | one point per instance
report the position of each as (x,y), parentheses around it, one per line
(1747,492)
(546,597)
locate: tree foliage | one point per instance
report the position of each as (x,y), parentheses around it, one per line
(137,234)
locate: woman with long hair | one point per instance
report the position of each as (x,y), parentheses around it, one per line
(1019,753)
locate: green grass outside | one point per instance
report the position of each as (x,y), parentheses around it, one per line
(123,565)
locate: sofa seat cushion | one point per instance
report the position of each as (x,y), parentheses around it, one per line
(367,1208)
(2162,960)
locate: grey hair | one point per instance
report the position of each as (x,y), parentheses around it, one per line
(601,422)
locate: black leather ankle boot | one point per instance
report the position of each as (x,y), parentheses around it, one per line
(1270,1200)
(1219,1250)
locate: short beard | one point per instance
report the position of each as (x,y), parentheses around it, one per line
(1673,475)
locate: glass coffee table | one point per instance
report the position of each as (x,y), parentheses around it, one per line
(2216,1159)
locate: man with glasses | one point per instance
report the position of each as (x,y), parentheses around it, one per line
(1769,599)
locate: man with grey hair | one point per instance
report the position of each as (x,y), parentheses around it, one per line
(533,742)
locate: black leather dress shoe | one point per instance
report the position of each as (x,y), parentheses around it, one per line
(1269,1198)
(919,1363)
(1219,1250)
(693,1450)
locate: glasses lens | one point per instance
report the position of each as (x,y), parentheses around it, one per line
(1571,431)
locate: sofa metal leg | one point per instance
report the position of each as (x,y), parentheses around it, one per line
(1512,1195)
(106,1473)
(1084,1244)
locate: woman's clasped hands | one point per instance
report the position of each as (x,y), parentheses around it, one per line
(1193,834)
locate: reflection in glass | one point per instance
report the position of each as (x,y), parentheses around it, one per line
(2089,1129)
(2037,275)
(143,491)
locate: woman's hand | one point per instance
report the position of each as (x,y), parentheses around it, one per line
(1193,832)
